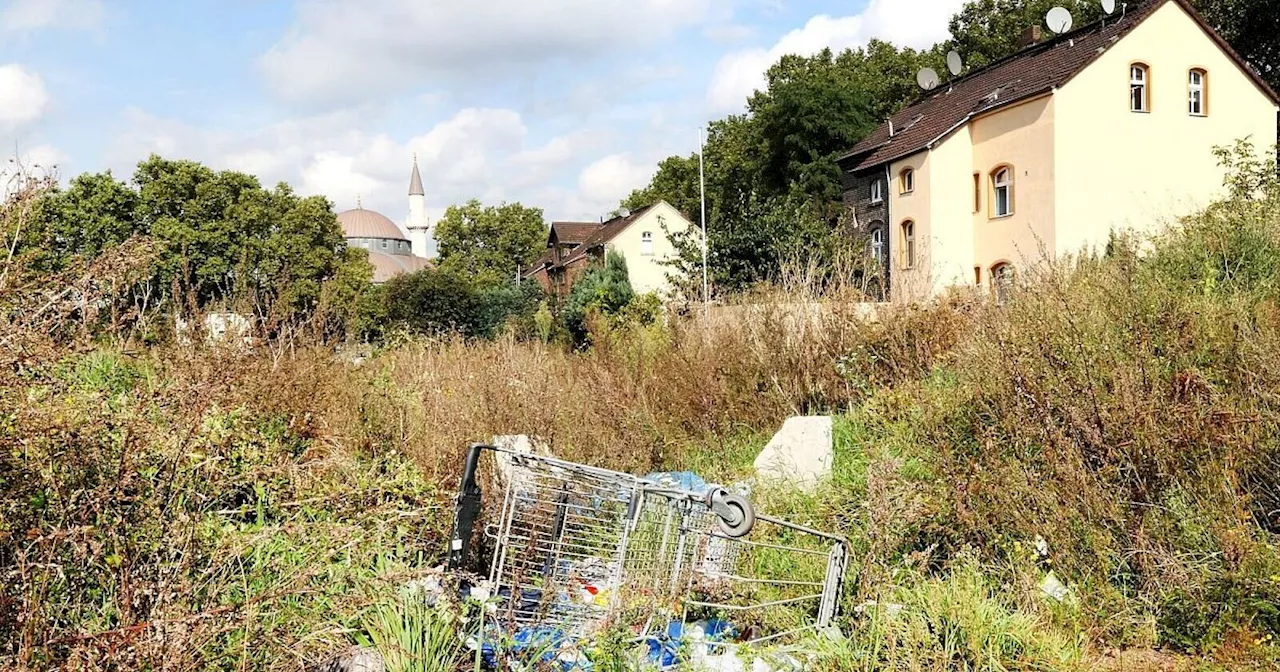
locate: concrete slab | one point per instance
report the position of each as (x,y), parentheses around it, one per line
(800,453)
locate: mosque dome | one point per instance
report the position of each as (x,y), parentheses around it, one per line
(361,223)
(387,266)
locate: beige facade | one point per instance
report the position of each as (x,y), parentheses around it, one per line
(1042,172)
(642,237)
(645,244)
(1174,171)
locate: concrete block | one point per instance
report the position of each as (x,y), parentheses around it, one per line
(800,453)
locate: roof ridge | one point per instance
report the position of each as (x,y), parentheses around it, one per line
(1037,47)
(1033,70)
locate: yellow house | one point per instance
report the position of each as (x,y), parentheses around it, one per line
(642,237)
(1108,127)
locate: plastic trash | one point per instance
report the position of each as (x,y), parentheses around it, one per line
(690,641)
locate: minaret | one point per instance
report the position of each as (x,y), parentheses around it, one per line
(421,240)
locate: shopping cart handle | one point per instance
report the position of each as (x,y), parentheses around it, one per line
(466,509)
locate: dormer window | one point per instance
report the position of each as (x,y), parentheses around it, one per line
(907,180)
(1139,88)
(877,191)
(1198,105)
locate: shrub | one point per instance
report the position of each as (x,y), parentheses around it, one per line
(603,289)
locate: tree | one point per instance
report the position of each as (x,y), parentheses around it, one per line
(93,214)
(433,301)
(985,31)
(605,289)
(677,183)
(1252,28)
(809,114)
(886,75)
(222,237)
(488,244)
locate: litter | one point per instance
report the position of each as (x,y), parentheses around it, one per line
(576,551)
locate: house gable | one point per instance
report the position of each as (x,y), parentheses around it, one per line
(1163,164)
(1039,69)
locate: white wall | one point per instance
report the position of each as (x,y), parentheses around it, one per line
(646,271)
(1121,169)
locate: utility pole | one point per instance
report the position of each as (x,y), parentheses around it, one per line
(702,182)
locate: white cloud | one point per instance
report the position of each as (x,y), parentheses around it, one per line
(338,50)
(29,15)
(45,157)
(917,24)
(483,153)
(610,179)
(23,95)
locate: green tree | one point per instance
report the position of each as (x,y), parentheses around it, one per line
(487,244)
(604,289)
(809,114)
(677,183)
(226,236)
(886,75)
(94,213)
(985,31)
(1252,28)
(221,236)
(433,301)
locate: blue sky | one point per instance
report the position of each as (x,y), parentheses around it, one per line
(562,104)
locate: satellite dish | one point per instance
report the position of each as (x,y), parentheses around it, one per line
(954,63)
(1059,20)
(1109,6)
(928,79)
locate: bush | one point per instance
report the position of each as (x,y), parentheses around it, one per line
(603,289)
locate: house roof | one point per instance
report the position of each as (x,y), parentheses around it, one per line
(548,258)
(1037,69)
(597,235)
(573,232)
(606,232)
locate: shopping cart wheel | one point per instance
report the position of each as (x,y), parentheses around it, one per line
(736,517)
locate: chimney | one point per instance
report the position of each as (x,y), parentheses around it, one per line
(1030,36)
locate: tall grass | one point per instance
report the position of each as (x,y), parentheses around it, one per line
(192,508)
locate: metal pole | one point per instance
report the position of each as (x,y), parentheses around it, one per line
(702,180)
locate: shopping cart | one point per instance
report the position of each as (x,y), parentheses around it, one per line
(582,550)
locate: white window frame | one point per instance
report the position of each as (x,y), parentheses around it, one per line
(1007,186)
(646,243)
(877,191)
(909,244)
(1196,106)
(908,180)
(1139,81)
(1002,278)
(877,244)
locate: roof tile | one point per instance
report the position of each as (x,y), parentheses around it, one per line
(1038,69)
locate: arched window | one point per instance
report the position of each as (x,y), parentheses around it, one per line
(1002,275)
(1139,88)
(908,180)
(1197,88)
(1002,187)
(646,243)
(877,243)
(908,244)
(877,191)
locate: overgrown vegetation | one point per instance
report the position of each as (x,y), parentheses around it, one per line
(213,507)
